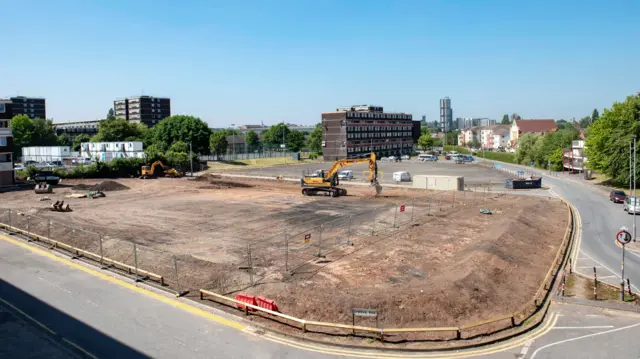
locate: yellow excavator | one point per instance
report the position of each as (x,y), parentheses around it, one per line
(326,182)
(149,171)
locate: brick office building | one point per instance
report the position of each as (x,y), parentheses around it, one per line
(356,131)
(7,174)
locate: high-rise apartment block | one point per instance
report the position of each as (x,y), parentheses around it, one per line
(30,106)
(446,114)
(143,109)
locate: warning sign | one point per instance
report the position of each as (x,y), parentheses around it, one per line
(402,208)
(623,237)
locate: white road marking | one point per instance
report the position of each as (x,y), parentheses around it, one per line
(607,276)
(54,284)
(605,267)
(582,337)
(591,327)
(583,267)
(525,348)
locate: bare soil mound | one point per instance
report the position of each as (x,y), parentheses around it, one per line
(104,186)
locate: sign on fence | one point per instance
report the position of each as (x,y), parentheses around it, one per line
(402,208)
(359,312)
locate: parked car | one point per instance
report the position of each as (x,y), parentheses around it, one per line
(427,158)
(345,175)
(468,158)
(631,205)
(393,158)
(402,176)
(617,196)
(406,157)
(384,159)
(18,166)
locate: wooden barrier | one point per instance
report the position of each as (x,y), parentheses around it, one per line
(81,252)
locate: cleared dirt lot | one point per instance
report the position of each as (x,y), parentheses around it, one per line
(437,261)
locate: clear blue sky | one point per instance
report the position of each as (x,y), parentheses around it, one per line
(250,61)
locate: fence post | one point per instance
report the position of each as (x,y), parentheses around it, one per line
(595,284)
(10,215)
(429,208)
(49,228)
(101,252)
(373,228)
(29,226)
(135,258)
(286,252)
(395,214)
(320,242)
(250,264)
(413,207)
(453,199)
(175,271)
(349,230)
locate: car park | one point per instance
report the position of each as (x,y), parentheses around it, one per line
(406,157)
(617,196)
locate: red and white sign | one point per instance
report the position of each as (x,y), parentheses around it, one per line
(402,208)
(623,237)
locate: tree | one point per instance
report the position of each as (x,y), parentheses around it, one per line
(515,116)
(295,141)
(595,115)
(314,142)
(44,134)
(111,115)
(505,119)
(425,141)
(63,140)
(187,129)
(526,148)
(218,143)
(609,136)
(474,143)
(22,129)
(120,130)
(78,140)
(275,134)
(452,138)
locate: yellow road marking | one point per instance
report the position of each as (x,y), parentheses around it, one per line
(304,346)
(172,302)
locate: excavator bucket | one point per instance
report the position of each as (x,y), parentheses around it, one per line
(66,208)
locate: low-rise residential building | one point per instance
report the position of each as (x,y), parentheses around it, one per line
(500,138)
(7,173)
(107,151)
(74,129)
(469,135)
(39,154)
(574,158)
(521,127)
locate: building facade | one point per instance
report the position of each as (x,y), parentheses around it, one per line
(143,109)
(30,106)
(520,127)
(75,129)
(574,158)
(359,130)
(39,154)
(7,174)
(107,151)
(446,114)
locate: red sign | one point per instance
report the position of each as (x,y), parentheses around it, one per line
(623,237)
(402,208)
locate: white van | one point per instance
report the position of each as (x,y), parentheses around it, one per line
(401,176)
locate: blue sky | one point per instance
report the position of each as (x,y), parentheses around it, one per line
(251,61)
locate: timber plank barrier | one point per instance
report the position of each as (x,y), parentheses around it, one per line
(77,253)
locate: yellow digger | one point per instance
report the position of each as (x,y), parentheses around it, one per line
(326,182)
(150,171)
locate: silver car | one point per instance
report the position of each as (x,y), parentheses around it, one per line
(631,205)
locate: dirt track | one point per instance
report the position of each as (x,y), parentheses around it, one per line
(454,266)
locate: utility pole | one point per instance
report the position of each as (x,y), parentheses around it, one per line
(635,156)
(283,145)
(191,157)
(233,141)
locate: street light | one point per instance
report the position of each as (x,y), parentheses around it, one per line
(233,141)
(634,187)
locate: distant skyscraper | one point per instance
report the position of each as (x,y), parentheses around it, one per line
(446,114)
(460,123)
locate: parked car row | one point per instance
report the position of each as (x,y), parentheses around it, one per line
(630,204)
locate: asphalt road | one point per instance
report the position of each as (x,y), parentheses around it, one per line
(601,220)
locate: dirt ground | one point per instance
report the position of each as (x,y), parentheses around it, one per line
(420,258)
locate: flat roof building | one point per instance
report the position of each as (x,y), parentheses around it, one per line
(31,106)
(143,109)
(356,131)
(7,174)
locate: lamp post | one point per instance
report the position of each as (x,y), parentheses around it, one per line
(233,141)
(634,187)
(191,157)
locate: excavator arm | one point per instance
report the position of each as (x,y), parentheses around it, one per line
(329,180)
(373,167)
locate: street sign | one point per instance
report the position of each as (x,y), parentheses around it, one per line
(402,208)
(360,312)
(623,237)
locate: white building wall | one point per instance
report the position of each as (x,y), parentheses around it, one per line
(45,153)
(107,151)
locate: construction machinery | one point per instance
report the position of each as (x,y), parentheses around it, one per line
(42,187)
(150,171)
(326,182)
(60,207)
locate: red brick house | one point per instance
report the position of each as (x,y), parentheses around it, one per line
(7,174)
(520,127)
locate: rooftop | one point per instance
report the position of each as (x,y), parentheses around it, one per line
(536,125)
